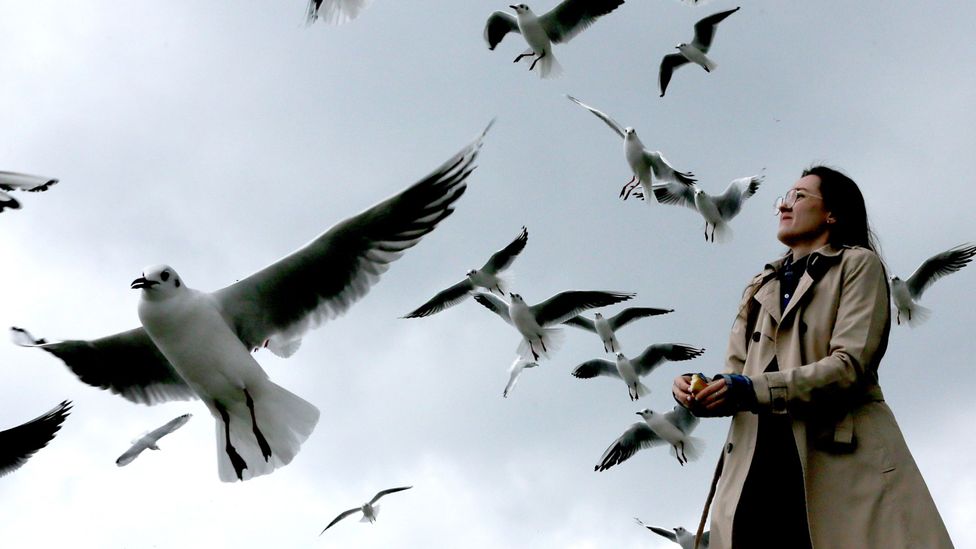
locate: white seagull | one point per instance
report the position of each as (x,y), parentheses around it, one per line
(369,509)
(717,210)
(149,440)
(904,293)
(489,277)
(334,12)
(197,344)
(606,327)
(534,322)
(630,371)
(672,428)
(694,52)
(19,443)
(643,163)
(682,537)
(558,25)
(515,371)
(13,181)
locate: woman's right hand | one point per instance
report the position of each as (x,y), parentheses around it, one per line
(681,389)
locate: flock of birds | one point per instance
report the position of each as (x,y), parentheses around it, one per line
(199,345)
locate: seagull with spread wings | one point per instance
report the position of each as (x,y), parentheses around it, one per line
(630,371)
(673,428)
(717,210)
(149,441)
(679,535)
(369,509)
(606,327)
(643,163)
(198,344)
(904,293)
(696,50)
(489,276)
(19,443)
(13,181)
(540,32)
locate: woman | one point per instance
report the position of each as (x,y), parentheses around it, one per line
(814,457)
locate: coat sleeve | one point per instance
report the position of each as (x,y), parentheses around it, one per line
(857,342)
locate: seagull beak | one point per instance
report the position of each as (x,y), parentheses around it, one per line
(513,7)
(142,282)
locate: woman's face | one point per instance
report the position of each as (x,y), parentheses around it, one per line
(806,222)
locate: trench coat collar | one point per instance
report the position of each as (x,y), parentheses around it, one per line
(818,263)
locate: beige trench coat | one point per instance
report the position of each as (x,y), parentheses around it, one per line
(863,489)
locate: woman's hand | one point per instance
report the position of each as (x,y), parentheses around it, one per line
(713,400)
(681,390)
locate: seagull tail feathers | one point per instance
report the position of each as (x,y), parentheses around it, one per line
(722,233)
(551,340)
(915,316)
(642,390)
(549,67)
(376,513)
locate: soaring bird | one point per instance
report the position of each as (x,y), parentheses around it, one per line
(630,371)
(679,535)
(534,322)
(489,277)
(643,163)
(694,52)
(717,210)
(13,181)
(606,327)
(558,25)
(19,443)
(149,440)
(673,428)
(369,509)
(905,292)
(334,12)
(198,344)
(515,371)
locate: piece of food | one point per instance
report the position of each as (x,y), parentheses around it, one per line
(698,383)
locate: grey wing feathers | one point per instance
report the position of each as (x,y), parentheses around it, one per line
(19,443)
(341,516)
(681,418)
(571,17)
(705,29)
(607,119)
(729,203)
(662,532)
(565,305)
(580,321)
(637,437)
(677,194)
(10,181)
(669,62)
(324,278)
(443,300)
(938,266)
(128,364)
(654,354)
(596,367)
(631,314)
(498,25)
(503,259)
(494,305)
(382,493)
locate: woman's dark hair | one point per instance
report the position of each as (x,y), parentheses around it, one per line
(844,200)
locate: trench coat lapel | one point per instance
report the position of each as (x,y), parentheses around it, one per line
(768,298)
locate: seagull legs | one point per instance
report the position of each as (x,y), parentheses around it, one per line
(540,56)
(235,459)
(629,188)
(262,442)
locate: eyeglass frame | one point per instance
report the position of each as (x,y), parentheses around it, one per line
(781,201)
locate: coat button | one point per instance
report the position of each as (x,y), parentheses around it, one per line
(728,448)
(755,336)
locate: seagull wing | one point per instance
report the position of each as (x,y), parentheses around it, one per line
(128,364)
(664,170)
(494,305)
(503,259)
(565,305)
(7,201)
(323,279)
(19,443)
(662,532)
(669,62)
(631,314)
(596,367)
(341,516)
(499,24)
(570,17)
(681,418)
(382,493)
(580,321)
(938,266)
(730,202)
(11,181)
(705,29)
(638,437)
(655,354)
(444,299)
(614,125)
(677,194)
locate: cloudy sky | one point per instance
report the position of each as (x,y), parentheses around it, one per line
(219,136)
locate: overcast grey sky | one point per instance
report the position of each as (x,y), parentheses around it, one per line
(219,136)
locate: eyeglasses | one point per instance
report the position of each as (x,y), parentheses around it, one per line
(791,197)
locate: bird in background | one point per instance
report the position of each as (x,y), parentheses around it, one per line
(606,327)
(149,440)
(490,277)
(19,443)
(536,322)
(369,509)
(718,210)
(905,293)
(643,163)
(672,428)
(678,535)
(696,50)
(558,25)
(630,371)
(515,371)
(194,344)
(13,181)
(334,12)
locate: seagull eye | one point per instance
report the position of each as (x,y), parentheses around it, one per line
(164,276)
(177,282)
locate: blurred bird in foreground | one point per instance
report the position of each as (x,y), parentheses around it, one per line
(13,181)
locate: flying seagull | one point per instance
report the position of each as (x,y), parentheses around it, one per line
(605,327)
(535,322)
(630,371)
(13,181)
(369,509)
(149,440)
(694,52)
(334,12)
(672,428)
(515,371)
(717,210)
(558,25)
(19,443)
(682,537)
(905,292)
(197,344)
(488,277)
(643,163)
